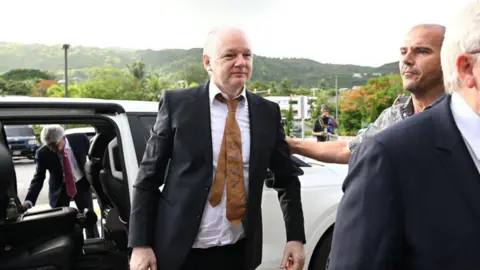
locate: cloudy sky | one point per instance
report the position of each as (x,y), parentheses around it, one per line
(365,32)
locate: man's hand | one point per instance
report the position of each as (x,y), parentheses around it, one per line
(25,206)
(143,258)
(293,256)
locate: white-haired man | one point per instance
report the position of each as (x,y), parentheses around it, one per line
(64,157)
(218,140)
(412,194)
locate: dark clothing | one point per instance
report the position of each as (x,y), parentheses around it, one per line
(83,199)
(57,194)
(231,257)
(318,126)
(411,199)
(181,140)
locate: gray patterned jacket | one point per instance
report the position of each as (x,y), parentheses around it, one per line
(388,118)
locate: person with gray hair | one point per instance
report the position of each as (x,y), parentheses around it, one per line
(210,148)
(411,196)
(64,157)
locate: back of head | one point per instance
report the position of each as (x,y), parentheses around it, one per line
(462,37)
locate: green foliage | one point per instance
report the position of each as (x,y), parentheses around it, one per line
(186,64)
(367,103)
(21,88)
(26,74)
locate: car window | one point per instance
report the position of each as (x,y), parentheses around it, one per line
(140,126)
(12,131)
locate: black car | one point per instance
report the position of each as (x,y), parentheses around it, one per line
(22,141)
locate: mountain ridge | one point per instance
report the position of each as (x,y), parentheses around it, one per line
(300,72)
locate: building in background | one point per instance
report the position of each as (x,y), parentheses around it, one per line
(283,102)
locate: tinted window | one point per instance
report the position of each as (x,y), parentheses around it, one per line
(140,126)
(19,132)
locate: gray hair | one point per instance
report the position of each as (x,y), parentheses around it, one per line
(462,35)
(210,46)
(51,134)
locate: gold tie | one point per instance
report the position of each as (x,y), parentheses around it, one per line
(230,167)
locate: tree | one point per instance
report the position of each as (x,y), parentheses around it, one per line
(26,74)
(193,73)
(285,87)
(59,91)
(40,88)
(258,85)
(367,102)
(139,73)
(21,88)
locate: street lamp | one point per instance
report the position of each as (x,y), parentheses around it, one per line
(336,100)
(65,48)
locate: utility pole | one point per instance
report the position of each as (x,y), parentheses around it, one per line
(65,48)
(302,115)
(336,97)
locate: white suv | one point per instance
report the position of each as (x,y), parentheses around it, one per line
(122,130)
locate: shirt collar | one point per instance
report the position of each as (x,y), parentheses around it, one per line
(214,90)
(408,110)
(468,122)
(67,144)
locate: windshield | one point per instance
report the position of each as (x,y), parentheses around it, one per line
(19,132)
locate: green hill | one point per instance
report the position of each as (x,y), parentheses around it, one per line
(300,72)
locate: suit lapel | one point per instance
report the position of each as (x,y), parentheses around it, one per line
(202,113)
(455,157)
(255,118)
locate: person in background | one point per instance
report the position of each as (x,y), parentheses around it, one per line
(411,198)
(64,157)
(422,77)
(324,125)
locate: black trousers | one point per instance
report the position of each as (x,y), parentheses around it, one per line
(83,200)
(228,257)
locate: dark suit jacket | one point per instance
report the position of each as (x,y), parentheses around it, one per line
(48,160)
(412,199)
(169,220)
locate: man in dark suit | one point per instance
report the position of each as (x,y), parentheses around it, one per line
(210,148)
(64,157)
(412,193)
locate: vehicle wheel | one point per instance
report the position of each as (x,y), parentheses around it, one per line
(321,256)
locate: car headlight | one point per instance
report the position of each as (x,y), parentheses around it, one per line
(34,142)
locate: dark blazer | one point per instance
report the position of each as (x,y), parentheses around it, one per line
(412,199)
(169,220)
(48,160)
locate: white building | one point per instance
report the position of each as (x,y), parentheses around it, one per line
(283,102)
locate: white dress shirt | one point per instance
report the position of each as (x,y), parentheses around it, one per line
(215,229)
(77,173)
(468,122)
